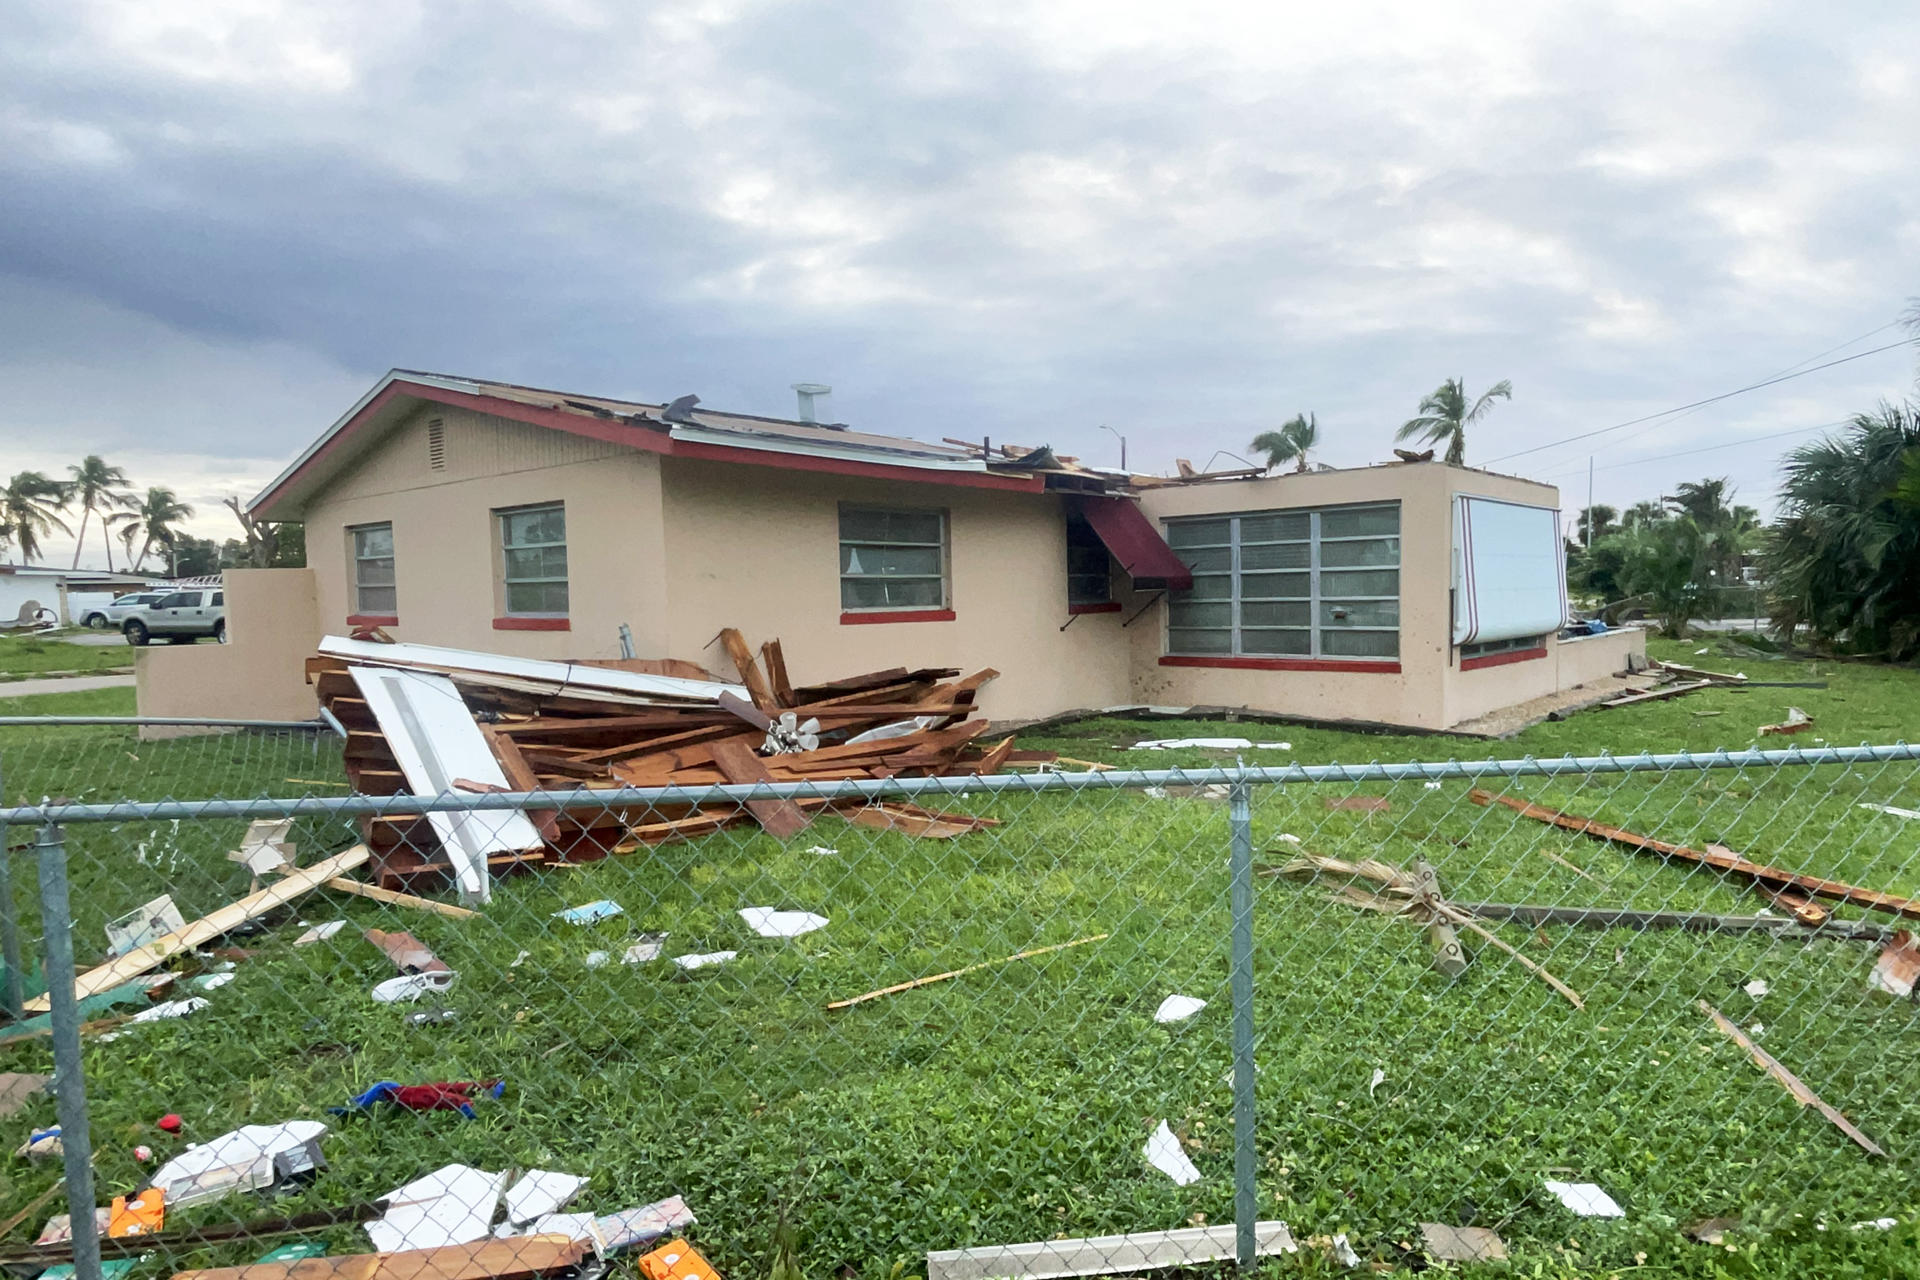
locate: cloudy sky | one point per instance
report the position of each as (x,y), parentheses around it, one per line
(221,220)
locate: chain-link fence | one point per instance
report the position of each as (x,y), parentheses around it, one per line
(1354,999)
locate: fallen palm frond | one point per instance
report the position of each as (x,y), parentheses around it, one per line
(1403,900)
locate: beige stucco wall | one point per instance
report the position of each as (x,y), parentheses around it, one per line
(1568,663)
(272,624)
(1416,695)
(759,549)
(444,534)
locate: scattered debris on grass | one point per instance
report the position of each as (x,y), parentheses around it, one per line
(519,1258)
(647,948)
(1205,744)
(1128,1254)
(591,913)
(1772,880)
(17,1088)
(40,1144)
(169,1009)
(409,987)
(705,960)
(139,1215)
(1757,988)
(147,923)
(1164,1153)
(1893,811)
(1207,791)
(955,973)
(408,953)
(538,1193)
(1797,721)
(1178,1008)
(1805,1096)
(1379,1078)
(1341,1250)
(1403,900)
(441,1095)
(597,959)
(769,923)
(452,1205)
(246,1159)
(1689,921)
(1711,1230)
(1462,1244)
(1898,968)
(319,933)
(676,1260)
(1586,1199)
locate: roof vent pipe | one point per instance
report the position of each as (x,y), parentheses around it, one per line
(810,395)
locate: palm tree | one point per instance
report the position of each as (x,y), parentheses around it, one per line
(1644,513)
(1444,415)
(151,519)
(30,508)
(1290,443)
(96,487)
(1844,559)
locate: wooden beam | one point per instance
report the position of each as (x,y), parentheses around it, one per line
(361,889)
(1657,695)
(774,659)
(520,777)
(1104,1255)
(1714,856)
(515,1258)
(126,968)
(736,646)
(1805,1096)
(783,819)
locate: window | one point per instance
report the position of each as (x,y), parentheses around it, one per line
(533,560)
(1289,584)
(219,599)
(373,589)
(178,600)
(1089,575)
(1487,648)
(892,559)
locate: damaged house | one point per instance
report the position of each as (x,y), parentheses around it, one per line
(487,516)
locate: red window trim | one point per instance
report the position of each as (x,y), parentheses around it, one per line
(373,619)
(532,624)
(905,615)
(1502,659)
(1112,606)
(1285,664)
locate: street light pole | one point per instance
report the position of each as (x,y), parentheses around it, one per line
(1123,444)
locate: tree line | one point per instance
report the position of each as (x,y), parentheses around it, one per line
(34,505)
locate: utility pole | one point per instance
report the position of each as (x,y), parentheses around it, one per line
(1123,444)
(1589,500)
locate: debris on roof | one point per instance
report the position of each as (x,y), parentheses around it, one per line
(566,726)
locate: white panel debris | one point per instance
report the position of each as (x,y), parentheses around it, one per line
(1164,1153)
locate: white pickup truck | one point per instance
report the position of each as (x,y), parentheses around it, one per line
(179,617)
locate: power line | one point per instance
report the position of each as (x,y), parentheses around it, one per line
(1725,395)
(1729,444)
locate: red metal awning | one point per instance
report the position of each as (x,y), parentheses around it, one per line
(1133,541)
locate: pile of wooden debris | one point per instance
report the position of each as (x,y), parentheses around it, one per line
(425,721)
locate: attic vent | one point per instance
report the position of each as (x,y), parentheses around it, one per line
(436,444)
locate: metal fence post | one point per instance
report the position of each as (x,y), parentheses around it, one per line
(1246,1203)
(69,1080)
(15,994)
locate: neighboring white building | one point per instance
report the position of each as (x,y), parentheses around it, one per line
(30,592)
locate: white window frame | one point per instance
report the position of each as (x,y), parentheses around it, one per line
(502,546)
(944,604)
(1314,599)
(355,560)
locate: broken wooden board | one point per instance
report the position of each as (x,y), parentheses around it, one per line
(515,1258)
(1104,1255)
(1657,695)
(1462,1244)
(1802,1094)
(782,819)
(1725,860)
(1687,921)
(130,966)
(750,674)
(1686,672)
(393,898)
(1797,721)
(408,953)
(898,987)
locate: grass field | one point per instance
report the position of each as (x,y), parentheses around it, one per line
(24,657)
(1013,1104)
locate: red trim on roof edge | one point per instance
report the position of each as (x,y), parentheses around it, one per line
(1501,659)
(532,624)
(1076,610)
(903,615)
(645,439)
(1284,664)
(373,619)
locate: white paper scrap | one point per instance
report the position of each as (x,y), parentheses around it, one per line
(648,948)
(249,1151)
(1379,1078)
(453,1205)
(1892,811)
(411,986)
(595,959)
(319,933)
(1178,1008)
(540,1192)
(1586,1199)
(702,961)
(1756,988)
(171,1009)
(1184,744)
(1343,1252)
(769,923)
(1164,1153)
(823,851)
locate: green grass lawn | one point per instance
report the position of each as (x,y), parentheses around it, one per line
(25,657)
(1013,1104)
